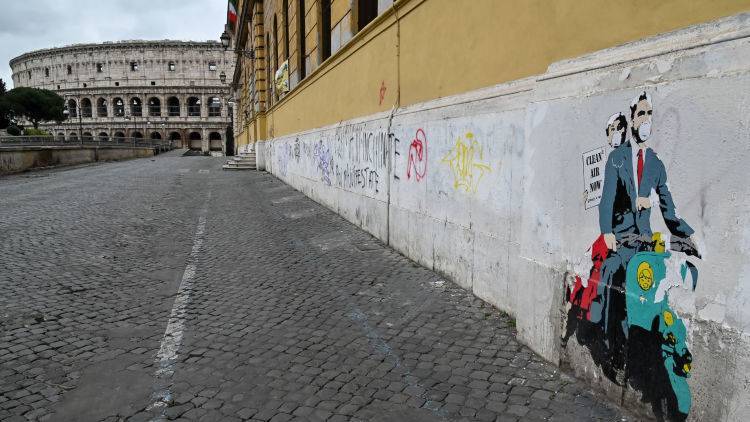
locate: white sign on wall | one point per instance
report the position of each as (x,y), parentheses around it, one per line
(593,176)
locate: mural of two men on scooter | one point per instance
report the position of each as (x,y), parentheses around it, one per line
(620,309)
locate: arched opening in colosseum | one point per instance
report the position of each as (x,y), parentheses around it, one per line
(73,136)
(194,107)
(118,109)
(103,137)
(176,139)
(86,107)
(72,108)
(214,107)
(195,140)
(137,135)
(155,135)
(119,136)
(214,141)
(154,107)
(61,137)
(88,137)
(101,107)
(136,106)
(173,106)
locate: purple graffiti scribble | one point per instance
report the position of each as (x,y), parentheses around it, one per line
(325,161)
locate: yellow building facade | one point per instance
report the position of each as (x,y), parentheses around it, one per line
(350,58)
(474,137)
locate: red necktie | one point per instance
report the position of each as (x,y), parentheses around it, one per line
(640,166)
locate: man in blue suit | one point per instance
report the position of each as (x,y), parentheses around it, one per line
(632,171)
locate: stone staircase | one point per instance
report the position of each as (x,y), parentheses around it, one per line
(244,161)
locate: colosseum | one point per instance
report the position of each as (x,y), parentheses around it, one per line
(174,90)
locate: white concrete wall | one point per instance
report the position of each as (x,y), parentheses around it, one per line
(496,200)
(344,167)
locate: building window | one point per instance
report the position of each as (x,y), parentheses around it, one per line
(133,66)
(171,66)
(154,107)
(119,107)
(86,107)
(70,70)
(99,67)
(101,107)
(173,107)
(29,74)
(214,107)
(212,66)
(269,82)
(194,107)
(301,53)
(85,85)
(72,108)
(153,83)
(285,16)
(367,11)
(136,107)
(275,46)
(46,72)
(117,84)
(325,29)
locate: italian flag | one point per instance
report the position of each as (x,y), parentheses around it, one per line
(232,13)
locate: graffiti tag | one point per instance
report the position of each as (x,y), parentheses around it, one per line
(325,161)
(465,161)
(417,156)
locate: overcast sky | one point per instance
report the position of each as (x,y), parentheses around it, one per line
(27,25)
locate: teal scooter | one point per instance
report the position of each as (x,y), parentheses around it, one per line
(649,276)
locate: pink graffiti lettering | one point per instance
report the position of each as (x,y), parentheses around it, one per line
(417,156)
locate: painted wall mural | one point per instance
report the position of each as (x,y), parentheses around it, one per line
(618,304)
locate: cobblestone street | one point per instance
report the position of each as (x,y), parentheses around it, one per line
(166,288)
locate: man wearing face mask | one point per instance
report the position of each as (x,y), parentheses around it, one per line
(632,171)
(617,130)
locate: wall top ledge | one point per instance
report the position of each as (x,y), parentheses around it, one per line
(714,32)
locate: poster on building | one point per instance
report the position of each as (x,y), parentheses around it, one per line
(593,176)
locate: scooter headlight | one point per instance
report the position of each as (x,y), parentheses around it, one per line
(645,275)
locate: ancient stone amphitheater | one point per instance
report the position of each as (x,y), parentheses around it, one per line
(173,90)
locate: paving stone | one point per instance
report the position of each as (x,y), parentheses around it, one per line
(305,318)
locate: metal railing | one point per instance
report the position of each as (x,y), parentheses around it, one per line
(16,141)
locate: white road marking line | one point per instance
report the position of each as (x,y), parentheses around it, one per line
(170,344)
(204,171)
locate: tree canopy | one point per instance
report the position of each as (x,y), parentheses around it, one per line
(4,122)
(36,105)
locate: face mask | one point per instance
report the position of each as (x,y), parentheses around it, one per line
(616,139)
(644,132)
